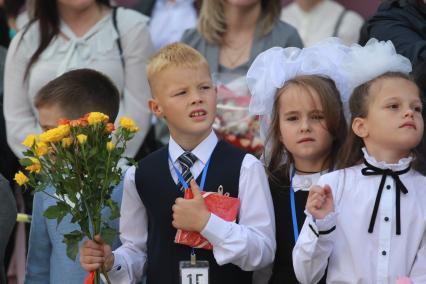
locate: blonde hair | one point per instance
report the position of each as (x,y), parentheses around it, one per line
(174,55)
(212,22)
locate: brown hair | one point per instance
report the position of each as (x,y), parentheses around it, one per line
(358,105)
(174,55)
(80,91)
(212,23)
(334,118)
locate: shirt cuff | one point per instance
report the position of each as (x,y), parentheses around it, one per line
(118,273)
(216,230)
(325,225)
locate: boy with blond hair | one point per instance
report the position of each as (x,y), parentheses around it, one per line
(153,206)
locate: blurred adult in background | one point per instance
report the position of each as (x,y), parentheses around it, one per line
(231,33)
(319,19)
(169,18)
(404,23)
(7,221)
(66,35)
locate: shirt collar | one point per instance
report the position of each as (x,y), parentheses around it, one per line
(203,150)
(401,165)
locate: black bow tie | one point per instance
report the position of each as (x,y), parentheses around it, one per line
(371,170)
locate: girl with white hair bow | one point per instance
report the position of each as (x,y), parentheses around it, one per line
(298,93)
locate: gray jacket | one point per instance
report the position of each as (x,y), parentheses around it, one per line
(7,220)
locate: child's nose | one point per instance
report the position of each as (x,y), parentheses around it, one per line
(196,97)
(305,126)
(409,112)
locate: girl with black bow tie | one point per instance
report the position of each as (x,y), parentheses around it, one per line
(367,221)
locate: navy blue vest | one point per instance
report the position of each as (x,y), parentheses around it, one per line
(158,193)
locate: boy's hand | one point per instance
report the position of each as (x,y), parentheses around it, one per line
(93,254)
(320,201)
(191,214)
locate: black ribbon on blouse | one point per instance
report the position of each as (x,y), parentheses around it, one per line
(371,170)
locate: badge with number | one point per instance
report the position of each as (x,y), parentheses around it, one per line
(194,272)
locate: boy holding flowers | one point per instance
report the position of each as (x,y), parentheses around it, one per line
(70,96)
(153,206)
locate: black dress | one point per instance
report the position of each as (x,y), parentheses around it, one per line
(283,271)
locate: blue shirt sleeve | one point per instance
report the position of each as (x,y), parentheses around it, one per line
(39,247)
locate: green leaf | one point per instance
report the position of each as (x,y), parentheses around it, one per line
(115,210)
(53,212)
(108,234)
(71,240)
(25,162)
(93,151)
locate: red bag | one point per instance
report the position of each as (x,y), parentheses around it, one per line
(222,205)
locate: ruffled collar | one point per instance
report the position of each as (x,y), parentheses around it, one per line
(304,182)
(401,165)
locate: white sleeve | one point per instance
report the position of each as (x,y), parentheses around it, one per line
(418,271)
(250,244)
(130,257)
(315,242)
(19,116)
(137,49)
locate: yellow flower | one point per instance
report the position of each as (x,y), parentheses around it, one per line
(97,117)
(35,167)
(129,124)
(82,138)
(20,178)
(66,142)
(110,146)
(41,149)
(55,134)
(29,140)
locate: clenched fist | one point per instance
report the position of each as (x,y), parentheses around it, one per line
(191,215)
(94,254)
(320,201)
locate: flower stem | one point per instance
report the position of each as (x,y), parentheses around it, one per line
(105,274)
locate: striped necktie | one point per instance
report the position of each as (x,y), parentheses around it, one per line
(186,160)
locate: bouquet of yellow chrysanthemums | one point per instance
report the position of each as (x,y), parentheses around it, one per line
(79,159)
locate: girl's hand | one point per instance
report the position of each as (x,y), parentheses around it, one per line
(320,201)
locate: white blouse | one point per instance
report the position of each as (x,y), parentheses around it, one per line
(319,23)
(98,50)
(353,254)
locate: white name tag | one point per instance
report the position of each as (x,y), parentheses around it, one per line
(197,273)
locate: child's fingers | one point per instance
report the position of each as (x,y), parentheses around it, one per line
(318,196)
(90,244)
(179,200)
(195,188)
(99,239)
(90,259)
(90,267)
(327,191)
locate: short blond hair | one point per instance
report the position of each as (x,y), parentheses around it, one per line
(212,22)
(174,55)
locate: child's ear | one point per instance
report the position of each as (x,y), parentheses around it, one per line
(359,127)
(155,107)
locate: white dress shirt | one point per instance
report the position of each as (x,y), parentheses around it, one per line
(250,244)
(98,50)
(353,254)
(299,183)
(319,23)
(170,19)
